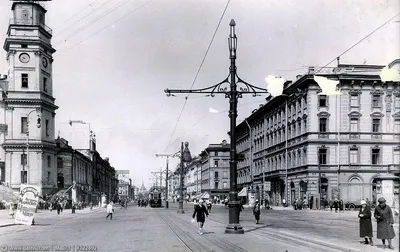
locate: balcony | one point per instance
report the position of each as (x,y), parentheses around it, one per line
(25,22)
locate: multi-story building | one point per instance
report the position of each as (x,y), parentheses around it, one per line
(74,173)
(308,144)
(27,105)
(215,170)
(193,177)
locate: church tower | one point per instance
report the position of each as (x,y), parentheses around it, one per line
(29,108)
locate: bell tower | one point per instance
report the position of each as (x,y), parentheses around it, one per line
(29,145)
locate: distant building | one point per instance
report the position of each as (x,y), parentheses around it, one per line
(215,170)
(309,145)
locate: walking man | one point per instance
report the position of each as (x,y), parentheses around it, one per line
(200,210)
(256,211)
(110,210)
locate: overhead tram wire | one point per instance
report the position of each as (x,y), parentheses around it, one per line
(104,27)
(76,14)
(197,74)
(359,42)
(82,18)
(105,13)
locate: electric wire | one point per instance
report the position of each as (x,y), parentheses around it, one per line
(197,74)
(82,18)
(104,27)
(359,41)
(76,14)
(105,13)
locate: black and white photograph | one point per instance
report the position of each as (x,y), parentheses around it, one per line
(200,125)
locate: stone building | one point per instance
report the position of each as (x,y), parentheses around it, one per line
(215,170)
(74,173)
(308,144)
(27,112)
(193,178)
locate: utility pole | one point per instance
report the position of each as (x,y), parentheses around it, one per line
(166,175)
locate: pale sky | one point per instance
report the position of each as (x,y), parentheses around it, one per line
(116,78)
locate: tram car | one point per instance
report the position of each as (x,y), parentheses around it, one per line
(155,198)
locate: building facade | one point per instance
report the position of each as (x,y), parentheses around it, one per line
(312,146)
(27,107)
(74,173)
(193,178)
(215,170)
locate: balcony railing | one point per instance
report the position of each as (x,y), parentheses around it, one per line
(30,22)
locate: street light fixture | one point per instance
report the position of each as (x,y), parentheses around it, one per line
(232,81)
(38,125)
(185,157)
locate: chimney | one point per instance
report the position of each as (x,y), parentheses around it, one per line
(311,70)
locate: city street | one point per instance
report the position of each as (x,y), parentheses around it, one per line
(149,229)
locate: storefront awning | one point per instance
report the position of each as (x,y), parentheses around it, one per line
(243,192)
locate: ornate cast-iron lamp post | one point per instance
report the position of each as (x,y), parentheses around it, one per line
(233,94)
(185,157)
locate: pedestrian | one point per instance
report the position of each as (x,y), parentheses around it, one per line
(91,206)
(341,205)
(73,208)
(365,223)
(58,206)
(110,210)
(284,202)
(295,204)
(257,211)
(209,205)
(200,211)
(384,217)
(11,210)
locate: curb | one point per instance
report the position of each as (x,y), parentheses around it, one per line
(7,225)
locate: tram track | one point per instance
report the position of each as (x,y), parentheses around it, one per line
(195,242)
(267,231)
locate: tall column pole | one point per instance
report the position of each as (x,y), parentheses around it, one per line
(233,226)
(166,186)
(180,210)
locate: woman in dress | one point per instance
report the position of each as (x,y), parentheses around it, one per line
(365,223)
(201,211)
(384,217)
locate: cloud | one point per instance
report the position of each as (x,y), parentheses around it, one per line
(275,85)
(389,74)
(328,86)
(214,111)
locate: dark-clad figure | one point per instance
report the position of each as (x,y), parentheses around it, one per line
(384,217)
(257,211)
(201,212)
(365,223)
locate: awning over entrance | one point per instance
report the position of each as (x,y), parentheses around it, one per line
(205,195)
(243,192)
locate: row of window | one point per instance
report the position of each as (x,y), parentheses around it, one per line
(25,81)
(355,125)
(376,101)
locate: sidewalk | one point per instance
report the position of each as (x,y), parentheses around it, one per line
(6,221)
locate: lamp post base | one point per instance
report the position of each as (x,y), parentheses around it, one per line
(235,228)
(180,209)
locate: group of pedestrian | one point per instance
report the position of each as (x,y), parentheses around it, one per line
(384,217)
(142,203)
(336,204)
